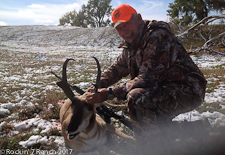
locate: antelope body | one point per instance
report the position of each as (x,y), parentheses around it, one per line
(82,129)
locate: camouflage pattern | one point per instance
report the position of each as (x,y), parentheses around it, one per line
(164,81)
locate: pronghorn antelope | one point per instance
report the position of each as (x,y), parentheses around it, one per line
(82,129)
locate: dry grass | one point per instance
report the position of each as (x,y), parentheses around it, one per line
(32,76)
(12,143)
(217,76)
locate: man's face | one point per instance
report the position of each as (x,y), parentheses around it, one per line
(129,30)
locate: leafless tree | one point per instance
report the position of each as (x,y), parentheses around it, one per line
(208,41)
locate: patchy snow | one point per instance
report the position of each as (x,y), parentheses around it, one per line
(209,61)
(32,52)
(4,111)
(215,118)
(38,123)
(2,123)
(7,105)
(33,140)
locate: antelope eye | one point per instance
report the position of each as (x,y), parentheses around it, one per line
(90,107)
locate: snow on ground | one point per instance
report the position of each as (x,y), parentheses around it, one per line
(209,61)
(29,53)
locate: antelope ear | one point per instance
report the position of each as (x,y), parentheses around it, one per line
(63,84)
(98,76)
(66,88)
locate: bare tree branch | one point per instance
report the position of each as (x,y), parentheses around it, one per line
(216,37)
(208,43)
(222,41)
(202,37)
(203,21)
(206,47)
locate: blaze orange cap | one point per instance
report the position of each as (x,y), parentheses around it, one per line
(122,14)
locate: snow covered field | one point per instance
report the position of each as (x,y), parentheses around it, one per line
(29,53)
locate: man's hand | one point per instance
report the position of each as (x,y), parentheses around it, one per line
(90,89)
(99,97)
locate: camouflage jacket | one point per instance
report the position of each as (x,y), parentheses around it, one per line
(153,59)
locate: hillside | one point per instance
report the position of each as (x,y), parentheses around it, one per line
(60,35)
(105,36)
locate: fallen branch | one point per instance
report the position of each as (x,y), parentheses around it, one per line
(214,38)
(206,46)
(206,49)
(204,22)
(210,42)
(222,41)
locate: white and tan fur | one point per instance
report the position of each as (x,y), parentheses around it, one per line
(92,133)
(82,129)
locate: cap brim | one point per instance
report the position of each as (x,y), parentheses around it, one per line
(124,20)
(117,23)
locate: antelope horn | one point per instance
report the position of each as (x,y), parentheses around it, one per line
(63,83)
(98,75)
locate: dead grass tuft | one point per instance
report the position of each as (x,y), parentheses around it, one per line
(28,113)
(53,132)
(215,78)
(12,143)
(211,107)
(51,98)
(6,128)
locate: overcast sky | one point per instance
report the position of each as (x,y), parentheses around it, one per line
(48,12)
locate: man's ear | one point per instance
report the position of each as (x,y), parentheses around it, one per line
(139,18)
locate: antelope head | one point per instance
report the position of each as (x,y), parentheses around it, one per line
(83,114)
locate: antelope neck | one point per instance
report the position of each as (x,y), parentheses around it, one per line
(92,132)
